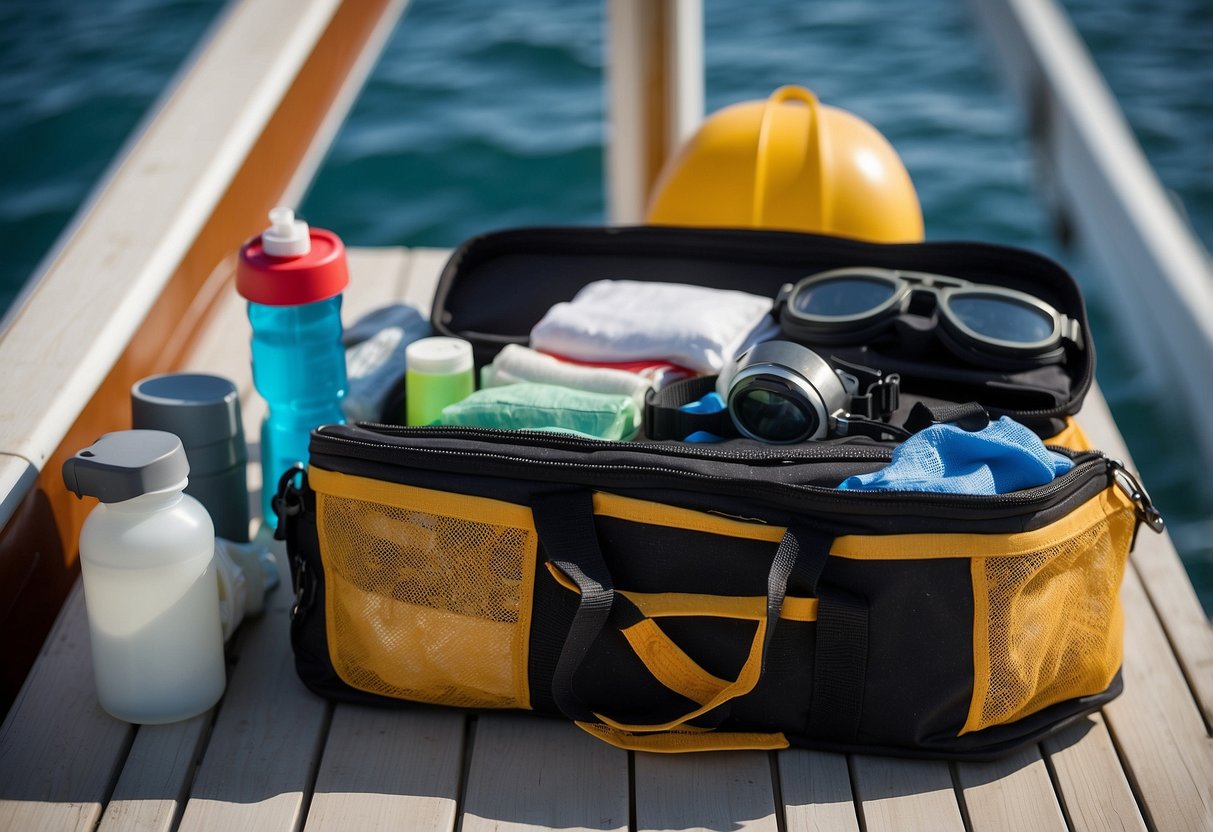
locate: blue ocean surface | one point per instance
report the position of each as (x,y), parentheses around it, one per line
(484,115)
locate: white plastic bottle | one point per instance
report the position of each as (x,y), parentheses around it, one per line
(149,581)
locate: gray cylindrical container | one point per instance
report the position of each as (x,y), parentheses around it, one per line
(204,411)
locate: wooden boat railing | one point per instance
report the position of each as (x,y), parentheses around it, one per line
(130,283)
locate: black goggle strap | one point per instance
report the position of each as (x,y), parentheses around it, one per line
(664,420)
(874,395)
(874,398)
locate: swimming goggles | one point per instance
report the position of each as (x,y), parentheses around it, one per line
(980,323)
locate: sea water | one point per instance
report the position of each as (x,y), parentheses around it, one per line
(483,115)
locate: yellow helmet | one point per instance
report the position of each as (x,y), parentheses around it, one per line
(789,163)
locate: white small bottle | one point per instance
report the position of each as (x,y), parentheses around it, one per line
(149,582)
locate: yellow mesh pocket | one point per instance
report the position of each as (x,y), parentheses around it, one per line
(427,593)
(1048,624)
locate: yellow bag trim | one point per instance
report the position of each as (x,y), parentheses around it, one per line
(448,503)
(670,665)
(1072,436)
(747,679)
(561,578)
(671,604)
(743,607)
(798,609)
(657,514)
(1014,544)
(490,668)
(682,740)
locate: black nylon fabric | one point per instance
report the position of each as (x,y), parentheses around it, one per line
(917,674)
(888,666)
(776,486)
(839,668)
(554,263)
(564,521)
(573,548)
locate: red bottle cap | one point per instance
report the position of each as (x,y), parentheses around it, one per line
(318,275)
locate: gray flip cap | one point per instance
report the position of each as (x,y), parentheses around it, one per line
(125,464)
(203,410)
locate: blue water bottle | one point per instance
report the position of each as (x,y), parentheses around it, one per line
(292,277)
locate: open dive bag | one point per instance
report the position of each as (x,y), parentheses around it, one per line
(669,596)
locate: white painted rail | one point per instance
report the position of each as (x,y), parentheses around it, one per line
(122,251)
(1162,275)
(655,85)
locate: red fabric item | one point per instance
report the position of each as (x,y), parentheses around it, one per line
(641,367)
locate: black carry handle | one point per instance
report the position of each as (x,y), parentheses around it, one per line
(565,523)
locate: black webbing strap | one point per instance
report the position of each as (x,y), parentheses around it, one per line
(564,521)
(965,415)
(839,668)
(841,654)
(782,565)
(785,562)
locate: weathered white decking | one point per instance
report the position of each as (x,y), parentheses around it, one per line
(271,756)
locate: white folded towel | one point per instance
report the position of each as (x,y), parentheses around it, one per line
(625,320)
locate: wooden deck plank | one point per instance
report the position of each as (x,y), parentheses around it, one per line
(150,788)
(905,795)
(1091,780)
(389,770)
(1162,572)
(528,773)
(700,792)
(384,769)
(424,271)
(1157,726)
(816,789)
(151,792)
(1015,792)
(378,276)
(258,768)
(60,753)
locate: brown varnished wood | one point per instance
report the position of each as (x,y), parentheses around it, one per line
(40,541)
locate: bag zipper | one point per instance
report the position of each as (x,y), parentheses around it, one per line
(789,496)
(822,452)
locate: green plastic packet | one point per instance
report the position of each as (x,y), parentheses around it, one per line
(530,406)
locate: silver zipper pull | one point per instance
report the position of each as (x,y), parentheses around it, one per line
(1141,499)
